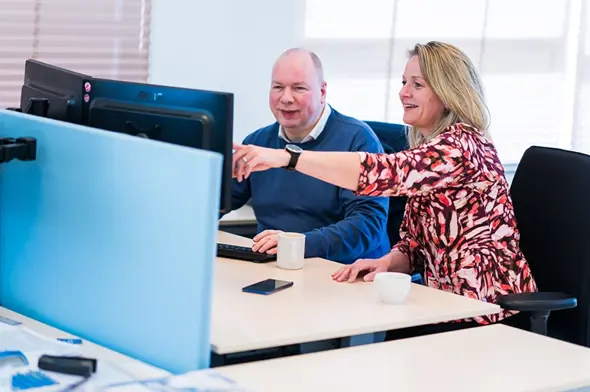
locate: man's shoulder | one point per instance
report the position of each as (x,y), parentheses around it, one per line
(357,130)
(351,124)
(263,136)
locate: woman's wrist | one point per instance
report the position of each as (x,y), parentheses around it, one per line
(396,261)
(283,158)
(387,261)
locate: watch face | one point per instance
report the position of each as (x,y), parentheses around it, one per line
(294,148)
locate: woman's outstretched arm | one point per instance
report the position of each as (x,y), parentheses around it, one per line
(337,168)
(442,162)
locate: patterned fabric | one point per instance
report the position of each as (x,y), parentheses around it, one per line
(459,220)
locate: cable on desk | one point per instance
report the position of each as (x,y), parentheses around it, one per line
(75,385)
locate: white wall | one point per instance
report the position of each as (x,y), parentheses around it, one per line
(225,45)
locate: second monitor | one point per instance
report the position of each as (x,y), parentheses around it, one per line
(193,118)
(54,92)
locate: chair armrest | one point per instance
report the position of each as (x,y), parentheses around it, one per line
(537,302)
(417,278)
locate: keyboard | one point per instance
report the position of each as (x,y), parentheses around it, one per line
(243,253)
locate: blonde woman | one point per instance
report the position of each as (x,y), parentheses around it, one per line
(459,221)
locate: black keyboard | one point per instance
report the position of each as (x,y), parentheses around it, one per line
(243,253)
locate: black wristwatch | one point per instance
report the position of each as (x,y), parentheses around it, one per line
(295,152)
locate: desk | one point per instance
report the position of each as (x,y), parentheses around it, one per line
(241,222)
(492,358)
(316,308)
(241,216)
(134,367)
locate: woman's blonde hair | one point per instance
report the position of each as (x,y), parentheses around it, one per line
(453,78)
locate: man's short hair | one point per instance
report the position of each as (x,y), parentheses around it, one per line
(317,63)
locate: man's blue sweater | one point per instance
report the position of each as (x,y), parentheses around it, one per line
(338,225)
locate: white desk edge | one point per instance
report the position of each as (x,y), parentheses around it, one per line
(483,359)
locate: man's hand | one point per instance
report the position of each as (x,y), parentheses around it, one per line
(267,242)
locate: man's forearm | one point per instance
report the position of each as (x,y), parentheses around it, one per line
(344,241)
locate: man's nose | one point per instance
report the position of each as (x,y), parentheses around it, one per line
(287,96)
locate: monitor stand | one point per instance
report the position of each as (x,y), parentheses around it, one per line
(38,107)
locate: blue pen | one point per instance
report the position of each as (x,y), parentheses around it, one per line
(70,340)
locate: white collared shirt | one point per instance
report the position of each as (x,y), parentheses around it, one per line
(315,132)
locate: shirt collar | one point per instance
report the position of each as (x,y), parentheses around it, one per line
(316,131)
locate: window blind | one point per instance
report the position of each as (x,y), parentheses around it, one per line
(525,50)
(106,38)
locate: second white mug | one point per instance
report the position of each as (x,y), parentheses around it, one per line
(291,251)
(393,287)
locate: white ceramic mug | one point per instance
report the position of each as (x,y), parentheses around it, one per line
(291,251)
(392,287)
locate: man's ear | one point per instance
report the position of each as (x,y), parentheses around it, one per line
(324,91)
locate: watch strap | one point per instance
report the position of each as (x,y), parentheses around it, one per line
(293,160)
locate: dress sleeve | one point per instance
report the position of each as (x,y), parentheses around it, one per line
(407,245)
(441,163)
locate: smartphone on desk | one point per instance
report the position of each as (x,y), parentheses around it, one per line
(268,286)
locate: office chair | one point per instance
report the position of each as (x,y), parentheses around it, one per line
(393,138)
(551,196)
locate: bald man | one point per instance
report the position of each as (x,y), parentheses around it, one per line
(338,225)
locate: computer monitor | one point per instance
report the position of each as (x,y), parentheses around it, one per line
(188,117)
(53,92)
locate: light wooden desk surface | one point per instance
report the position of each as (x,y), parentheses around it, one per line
(316,307)
(492,358)
(134,367)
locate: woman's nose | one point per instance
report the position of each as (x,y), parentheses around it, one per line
(405,91)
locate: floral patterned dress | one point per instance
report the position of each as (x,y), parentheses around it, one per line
(459,220)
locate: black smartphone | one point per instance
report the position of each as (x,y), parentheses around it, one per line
(268,286)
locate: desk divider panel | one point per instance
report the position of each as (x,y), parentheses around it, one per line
(111,238)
